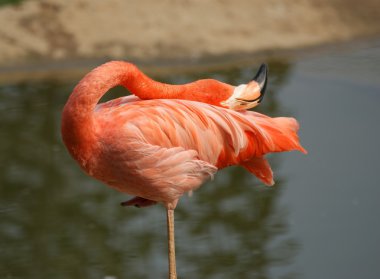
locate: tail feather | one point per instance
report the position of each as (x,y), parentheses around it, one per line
(260,167)
(270,135)
(277,134)
(289,128)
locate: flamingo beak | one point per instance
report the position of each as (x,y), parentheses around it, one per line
(249,95)
(261,78)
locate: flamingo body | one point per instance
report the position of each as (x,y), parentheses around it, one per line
(159,149)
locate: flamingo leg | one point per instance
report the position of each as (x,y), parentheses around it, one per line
(171,242)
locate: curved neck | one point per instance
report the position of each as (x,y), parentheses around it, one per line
(96,83)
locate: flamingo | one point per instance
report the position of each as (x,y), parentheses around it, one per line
(166,140)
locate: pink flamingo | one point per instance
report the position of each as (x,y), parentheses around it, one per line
(168,139)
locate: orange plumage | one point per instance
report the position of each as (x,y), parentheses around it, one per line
(170,143)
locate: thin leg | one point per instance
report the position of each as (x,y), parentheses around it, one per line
(170,225)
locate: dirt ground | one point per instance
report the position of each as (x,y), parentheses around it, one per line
(46,30)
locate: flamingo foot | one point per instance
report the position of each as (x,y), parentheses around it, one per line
(138,202)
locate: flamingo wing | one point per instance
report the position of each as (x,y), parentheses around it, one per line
(165,148)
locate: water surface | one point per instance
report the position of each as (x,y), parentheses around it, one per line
(319,221)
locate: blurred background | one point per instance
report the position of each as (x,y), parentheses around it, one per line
(318,221)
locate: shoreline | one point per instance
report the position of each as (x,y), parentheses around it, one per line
(66,70)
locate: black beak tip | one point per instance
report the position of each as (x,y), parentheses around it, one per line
(261,78)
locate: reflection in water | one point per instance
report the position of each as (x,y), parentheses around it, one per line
(57,223)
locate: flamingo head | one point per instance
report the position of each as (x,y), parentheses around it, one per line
(246,96)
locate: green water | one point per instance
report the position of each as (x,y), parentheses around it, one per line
(10,2)
(318,221)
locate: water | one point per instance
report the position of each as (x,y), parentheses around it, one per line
(319,221)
